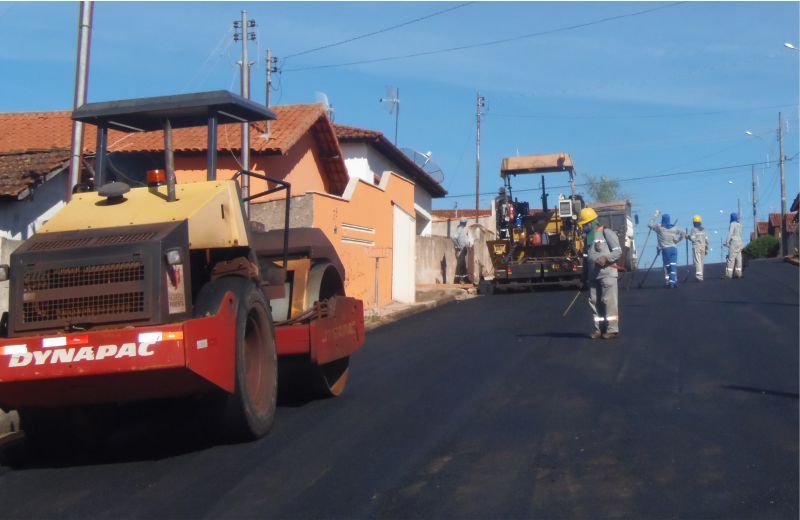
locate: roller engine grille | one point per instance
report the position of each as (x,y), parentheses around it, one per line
(76,293)
(72,309)
(106,240)
(65,277)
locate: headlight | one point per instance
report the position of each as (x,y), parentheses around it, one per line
(174,256)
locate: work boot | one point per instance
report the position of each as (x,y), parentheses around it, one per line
(610,335)
(595,335)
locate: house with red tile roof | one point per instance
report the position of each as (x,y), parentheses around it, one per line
(371,224)
(368,154)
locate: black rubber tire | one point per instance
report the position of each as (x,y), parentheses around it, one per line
(486,288)
(249,412)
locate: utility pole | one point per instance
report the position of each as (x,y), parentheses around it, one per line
(244,36)
(479,104)
(783,187)
(81,82)
(271,67)
(755,215)
(739,207)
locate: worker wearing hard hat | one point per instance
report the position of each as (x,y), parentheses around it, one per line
(668,238)
(699,239)
(734,244)
(602,251)
(462,244)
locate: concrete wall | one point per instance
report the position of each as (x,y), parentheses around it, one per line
(436,260)
(479,263)
(271,214)
(20,219)
(447,228)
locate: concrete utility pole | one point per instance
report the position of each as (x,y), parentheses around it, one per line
(271,67)
(479,104)
(244,36)
(755,215)
(783,187)
(81,83)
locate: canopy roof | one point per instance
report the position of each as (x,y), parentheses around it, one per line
(544,163)
(183,110)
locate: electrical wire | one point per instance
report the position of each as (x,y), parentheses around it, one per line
(379,31)
(486,43)
(218,47)
(639,116)
(631,179)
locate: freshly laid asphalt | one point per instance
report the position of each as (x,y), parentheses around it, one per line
(494,407)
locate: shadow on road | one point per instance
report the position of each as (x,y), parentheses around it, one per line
(762,391)
(566,335)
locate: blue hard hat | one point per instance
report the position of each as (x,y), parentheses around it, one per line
(734,217)
(665,220)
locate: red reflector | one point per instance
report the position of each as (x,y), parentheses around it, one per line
(156,177)
(78,340)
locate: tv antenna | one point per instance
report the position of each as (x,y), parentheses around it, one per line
(392,105)
(425,163)
(322,99)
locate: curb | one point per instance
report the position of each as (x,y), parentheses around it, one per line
(376,322)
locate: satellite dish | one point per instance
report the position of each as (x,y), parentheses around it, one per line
(322,99)
(426,164)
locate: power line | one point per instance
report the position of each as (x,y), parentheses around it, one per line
(632,179)
(379,31)
(637,116)
(487,43)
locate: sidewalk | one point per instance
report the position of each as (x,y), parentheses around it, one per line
(428,297)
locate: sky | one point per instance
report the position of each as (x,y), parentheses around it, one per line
(657,95)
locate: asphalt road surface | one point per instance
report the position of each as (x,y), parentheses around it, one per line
(494,407)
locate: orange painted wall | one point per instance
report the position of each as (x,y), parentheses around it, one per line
(369,206)
(301,166)
(363,205)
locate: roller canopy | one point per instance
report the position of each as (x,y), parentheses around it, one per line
(184,110)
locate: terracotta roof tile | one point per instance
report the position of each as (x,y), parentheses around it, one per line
(346,133)
(775,220)
(20,171)
(46,130)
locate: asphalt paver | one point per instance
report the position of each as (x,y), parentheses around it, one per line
(493,407)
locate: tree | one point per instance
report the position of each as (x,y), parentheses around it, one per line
(603,189)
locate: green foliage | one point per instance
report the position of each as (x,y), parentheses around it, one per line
(603,189)
(763,247)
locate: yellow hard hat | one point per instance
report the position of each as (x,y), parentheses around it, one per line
(697,218)
(586,215)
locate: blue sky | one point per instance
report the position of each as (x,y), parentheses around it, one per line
(664,92)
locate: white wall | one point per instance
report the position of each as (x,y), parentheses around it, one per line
(365,162)
(20,219)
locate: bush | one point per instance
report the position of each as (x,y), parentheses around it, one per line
(763,247)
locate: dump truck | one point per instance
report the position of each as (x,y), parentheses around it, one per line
(169,291)
(536,248)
